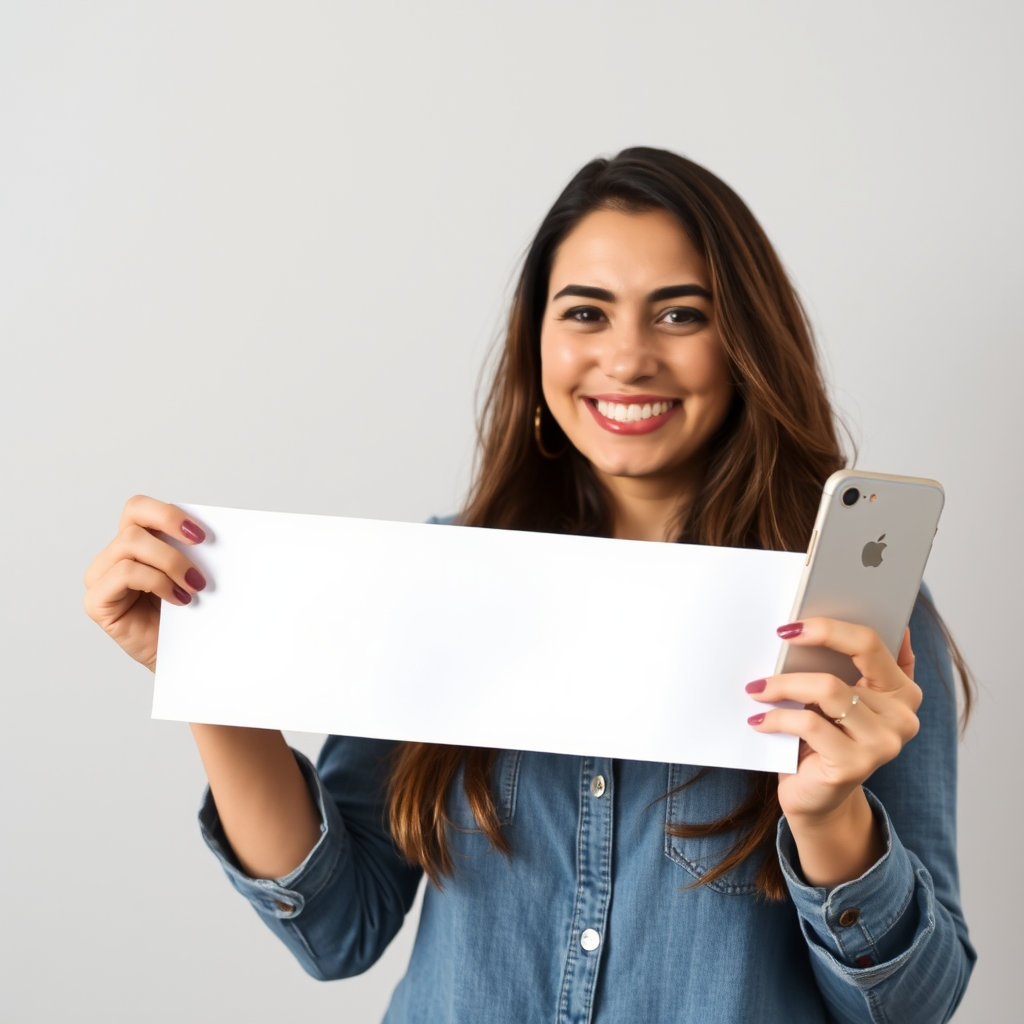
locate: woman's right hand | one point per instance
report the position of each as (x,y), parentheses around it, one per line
(137,570)
(264,804)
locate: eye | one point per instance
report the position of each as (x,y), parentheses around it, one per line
(583,314)
(682,316)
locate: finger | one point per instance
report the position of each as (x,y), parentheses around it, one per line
(873,659)
(893,716)
(803,749)
(118,589)
(905,658)
(818,733)
(835,698)
(155,517)
(136,542)
(849,759)
(880,733)
(158,515)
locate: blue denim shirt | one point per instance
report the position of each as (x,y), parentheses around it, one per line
(592,918)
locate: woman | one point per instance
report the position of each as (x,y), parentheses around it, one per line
(658,382)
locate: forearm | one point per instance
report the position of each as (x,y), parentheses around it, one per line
(883,946)
(839,847)
(891,942)
(265,808)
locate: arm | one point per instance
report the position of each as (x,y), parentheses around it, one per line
(265,808)
(890,943)
(309,850)
(307,846)
(341,906)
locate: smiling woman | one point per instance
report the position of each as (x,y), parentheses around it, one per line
(658,382)
(635,363)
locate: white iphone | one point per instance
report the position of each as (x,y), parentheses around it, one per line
(868,550)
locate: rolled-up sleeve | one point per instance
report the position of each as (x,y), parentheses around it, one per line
(892,945)
(866,929)
(339,909)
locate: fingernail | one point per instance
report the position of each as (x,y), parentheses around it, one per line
(193,532)
(194,578)
(756,719)
(757,686)
(790,630)
(182,595)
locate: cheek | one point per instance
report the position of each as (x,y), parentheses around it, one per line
(705,372)
(562,365)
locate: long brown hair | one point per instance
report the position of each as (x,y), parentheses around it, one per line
(761,484)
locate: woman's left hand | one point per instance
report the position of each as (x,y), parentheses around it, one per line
(859,728)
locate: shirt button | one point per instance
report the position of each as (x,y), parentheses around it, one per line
(590,940)
(849,917)
(597,785)
(285,908)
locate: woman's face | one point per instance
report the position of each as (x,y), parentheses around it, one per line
(632,367)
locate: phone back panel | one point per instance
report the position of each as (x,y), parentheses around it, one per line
(866,561)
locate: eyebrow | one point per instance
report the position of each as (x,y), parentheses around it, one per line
(672,291)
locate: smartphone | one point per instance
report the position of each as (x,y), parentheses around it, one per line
(868,550)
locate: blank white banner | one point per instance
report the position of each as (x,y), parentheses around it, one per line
(490,638)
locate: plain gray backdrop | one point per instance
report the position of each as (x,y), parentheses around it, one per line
(255,255)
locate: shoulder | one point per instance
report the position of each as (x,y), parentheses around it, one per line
(449,520)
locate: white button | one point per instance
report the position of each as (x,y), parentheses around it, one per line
(597,786)
(590,940)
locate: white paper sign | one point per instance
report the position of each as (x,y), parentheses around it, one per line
(490,638)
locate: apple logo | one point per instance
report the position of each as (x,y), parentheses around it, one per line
(872,553)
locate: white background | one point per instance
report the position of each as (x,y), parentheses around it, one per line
(254,255)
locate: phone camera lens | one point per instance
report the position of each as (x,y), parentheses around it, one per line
(850,496)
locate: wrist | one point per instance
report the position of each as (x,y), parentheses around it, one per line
(848,809)
(839,845)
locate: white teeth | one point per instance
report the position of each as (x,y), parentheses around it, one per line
(633,413)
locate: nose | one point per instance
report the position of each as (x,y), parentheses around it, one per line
(628,356)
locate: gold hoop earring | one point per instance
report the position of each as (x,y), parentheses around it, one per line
(540,442)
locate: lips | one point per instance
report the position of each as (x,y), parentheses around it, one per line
(631,414)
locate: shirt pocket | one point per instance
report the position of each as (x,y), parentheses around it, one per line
(504,789)
(717,793)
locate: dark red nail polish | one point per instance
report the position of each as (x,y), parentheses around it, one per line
(193,532)
(194,578)
(757,686)
(790,630)
(182,595)
(756,719)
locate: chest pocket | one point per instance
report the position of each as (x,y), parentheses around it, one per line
(707,799)
(504,787)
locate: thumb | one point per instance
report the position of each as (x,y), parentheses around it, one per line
(905,659)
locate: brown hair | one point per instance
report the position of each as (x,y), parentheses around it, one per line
(761,485)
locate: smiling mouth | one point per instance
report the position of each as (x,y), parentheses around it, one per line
(632,417)
(633,412)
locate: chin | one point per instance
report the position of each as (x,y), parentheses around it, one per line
(624,465)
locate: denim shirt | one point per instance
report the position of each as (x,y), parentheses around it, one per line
(594,918)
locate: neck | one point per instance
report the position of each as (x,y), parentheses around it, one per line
(646,508)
